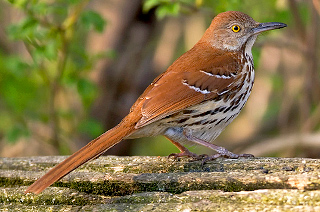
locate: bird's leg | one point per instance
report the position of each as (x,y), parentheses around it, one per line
(222,152)
(184,152)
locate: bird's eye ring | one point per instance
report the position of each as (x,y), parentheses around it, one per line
(236,28)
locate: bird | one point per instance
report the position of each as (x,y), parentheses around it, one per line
(191,102)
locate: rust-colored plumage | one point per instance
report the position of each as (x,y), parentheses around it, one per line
(193,101)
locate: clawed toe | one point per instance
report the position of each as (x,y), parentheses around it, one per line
(183,154)
(246,156)
(218,155)
(205,158)
(211,157)
(187,154)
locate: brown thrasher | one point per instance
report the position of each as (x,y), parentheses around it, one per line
(192,102)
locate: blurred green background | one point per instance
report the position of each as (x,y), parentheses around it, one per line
(71,69)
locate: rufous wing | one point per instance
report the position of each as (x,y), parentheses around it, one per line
(193,78)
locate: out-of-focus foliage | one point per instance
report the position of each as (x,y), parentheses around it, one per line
(49,86)
(31,88)
(293,106)
(271,9)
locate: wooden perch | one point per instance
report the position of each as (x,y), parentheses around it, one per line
(149,183)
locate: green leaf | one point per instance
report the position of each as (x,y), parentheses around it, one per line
(50,50)
(16,67)
(40,8)
(74,1)
(149,4)
(23,30)
(19,3)
(92,19)
(87,91)
(17,132)
(91,127)
(168,10)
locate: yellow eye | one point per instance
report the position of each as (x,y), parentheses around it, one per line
(236,28)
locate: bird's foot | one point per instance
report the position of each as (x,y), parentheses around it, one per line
(222,152)
(228,154)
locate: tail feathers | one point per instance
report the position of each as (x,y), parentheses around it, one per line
(91,151)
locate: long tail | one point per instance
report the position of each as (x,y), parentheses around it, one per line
(91,151)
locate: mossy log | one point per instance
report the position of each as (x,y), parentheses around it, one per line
(160,184)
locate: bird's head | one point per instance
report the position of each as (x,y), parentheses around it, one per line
(232,30)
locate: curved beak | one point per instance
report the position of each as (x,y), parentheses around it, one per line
(267,26)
